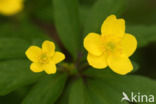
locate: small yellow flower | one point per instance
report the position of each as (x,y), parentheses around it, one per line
(112,48)
(10,7)
(44,59)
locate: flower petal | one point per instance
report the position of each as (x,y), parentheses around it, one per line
(48,47)
(36,67)
(120,65)
(58,57)
(50,68)
(113,26)
(10,7)
(92,44)
(97,61)
(33,53)
(128,44)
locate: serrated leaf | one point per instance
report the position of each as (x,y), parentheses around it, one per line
(100,10)
(15,74)
(47,90)
(143,34)
(67,23)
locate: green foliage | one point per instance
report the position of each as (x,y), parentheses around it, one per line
(72,19)
(41,10)
(15,74)
(13,48)
(24,30)
(47,90)
(76,95)
(100,10)
(65,94)
(108,88)
(66,18)
(143,34)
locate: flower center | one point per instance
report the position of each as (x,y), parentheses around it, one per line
(43,59)
(110,44)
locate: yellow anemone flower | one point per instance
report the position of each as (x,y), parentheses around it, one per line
(44,59)
(10,7)
(112,48)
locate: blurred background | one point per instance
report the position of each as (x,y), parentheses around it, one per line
(36,23)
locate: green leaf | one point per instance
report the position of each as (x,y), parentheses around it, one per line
(67,23)
(13,48)
(24,30)
(135,66)
(100,10)
(143,34)
(102,93)
(64,98)
(76,95)
(15,74)
(47,90)
(10,99)
(42,10)
(108,87)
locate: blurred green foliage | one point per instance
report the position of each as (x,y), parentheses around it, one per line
(67,22)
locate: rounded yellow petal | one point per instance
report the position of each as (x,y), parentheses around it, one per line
(98,62)
(113,26)
(92,44)
(36,67)
(128,44)
(48,47)
(10,7)
(58,57)
(120,65)
(33,53)
(50,68)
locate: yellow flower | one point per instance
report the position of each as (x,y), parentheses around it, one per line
(10,7)
(112,48)
(44,59)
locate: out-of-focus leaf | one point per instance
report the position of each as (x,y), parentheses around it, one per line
(12,48)
(74,93)
(100,10)
(87,2)
(42,9)
(77,95)
(141,12)
(10,99)
(143,34)
(15,74)
(47,90)
(45,14)
(66,18)
(24,30)
(102,93)
(64,98)
(83,11)
(108,88)
(135,66)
